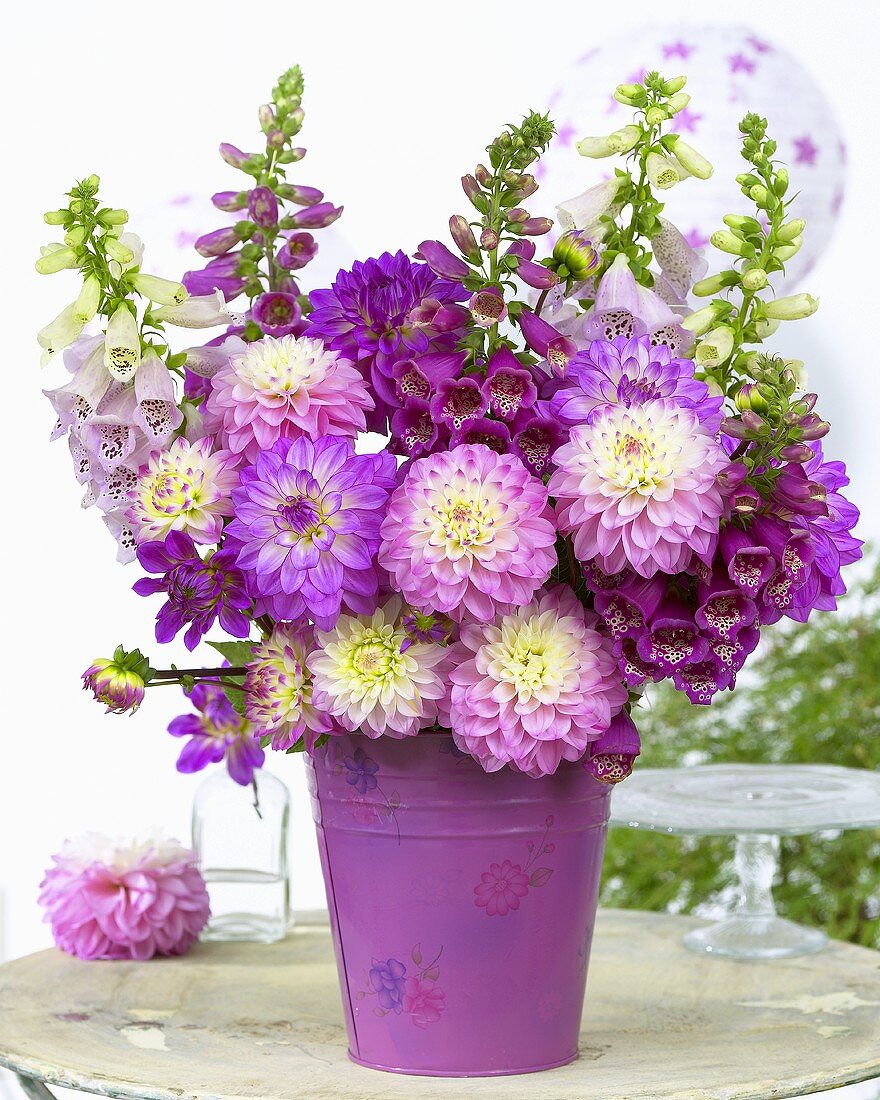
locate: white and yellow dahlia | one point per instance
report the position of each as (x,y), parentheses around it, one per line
(372,678)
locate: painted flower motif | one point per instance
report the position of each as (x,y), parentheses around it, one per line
(186,488)
(216,733)
(638,487)
(423,1000)
(306,527)
(387,979)
(360,771)
(535,687)
(278,689)
(501,888)
(469,532)
(368,679)
(282,388)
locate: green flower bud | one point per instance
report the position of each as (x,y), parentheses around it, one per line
(86,305)
(630,95)
(117,251)
(715,348)
(625,139)
(56,217)
(661,171)
(786,251)
(674,84)
(59,334)
(693,161)
(706,288)
(749,397)
(793,308)
(163,291)
(595,147)
(122,344)
(780,184)
(656,115)
(703,319)
(678,102)
(55,257)
(90,185)
(726,241)
(759,194)
(755,279)
(791,229)
(765,327)
(75,237)
(113,217)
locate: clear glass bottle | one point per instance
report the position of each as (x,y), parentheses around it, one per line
(240,836)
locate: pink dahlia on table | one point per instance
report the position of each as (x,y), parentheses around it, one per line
(306,527)
(639,487)
(280,389)
(278,689)
(535,687)
(372,677)
(468,532)
(110,900)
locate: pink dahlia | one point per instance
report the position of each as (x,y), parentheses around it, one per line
(281,389)
(468,532)
(638,487)
(535,687)
(110,900)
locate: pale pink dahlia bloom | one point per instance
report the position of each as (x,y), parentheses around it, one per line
(186,488)
(371,677)
(469,532)
(284,388)
(535,687)
(111,900)
(638,487)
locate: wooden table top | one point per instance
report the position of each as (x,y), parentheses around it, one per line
(230,1021)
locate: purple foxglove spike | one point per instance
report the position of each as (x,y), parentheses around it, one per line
(524,249)
(414,432)
(680,264)
(218,242)
(230,200)
(489,433)
(297,251)
(316,217)
(651,310)
(534,227)
(487,307)
(411,382)
(622,618)
(263,206)
(458,400)
(233,155)
(733,476)
(464,237)
(702,680)
(442,261)
(612,756)
(724,611)
(749,566)
(508,387)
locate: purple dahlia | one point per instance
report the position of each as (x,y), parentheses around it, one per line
(383,311)
(306,527)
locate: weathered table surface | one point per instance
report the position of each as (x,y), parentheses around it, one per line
(246,1020)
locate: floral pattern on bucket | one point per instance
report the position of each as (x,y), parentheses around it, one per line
(401,992)
(504,885)
(361,773)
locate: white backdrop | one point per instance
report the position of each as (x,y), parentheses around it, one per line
(401,99)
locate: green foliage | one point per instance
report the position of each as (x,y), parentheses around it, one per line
(812,695)
(237,654)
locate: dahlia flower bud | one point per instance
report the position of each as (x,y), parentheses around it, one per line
(122,346)
(163,291)
(119,682)
(612,757)
(692,161)
(575,252)
(661,171)
(596,147)
(792,308)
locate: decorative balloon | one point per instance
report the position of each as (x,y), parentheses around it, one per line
(730,71)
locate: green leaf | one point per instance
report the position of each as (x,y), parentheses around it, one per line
(540,876)
(236,653)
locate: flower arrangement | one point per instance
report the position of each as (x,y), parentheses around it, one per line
(588,485)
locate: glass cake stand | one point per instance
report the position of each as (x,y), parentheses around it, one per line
(757,804)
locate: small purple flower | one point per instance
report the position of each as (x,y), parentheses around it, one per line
(442,261)
(612,756)
(298,250)
(457,401)
(536,437)
(218,242)
(674,639)
(316,217)
(509,387)
(199,592)
(277,313)
(491,433)
(263,206)
(219,274)
(413,429)
(487,307)
(536,275)
(547,341)
(216,733)
(360,772)
(387,979)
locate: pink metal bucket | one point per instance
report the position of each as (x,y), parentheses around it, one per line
(462,904)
